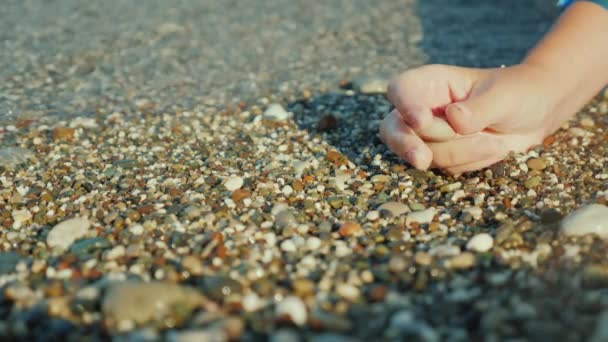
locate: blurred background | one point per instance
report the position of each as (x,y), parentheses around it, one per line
(62,58)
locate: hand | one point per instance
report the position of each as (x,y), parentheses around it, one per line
(464,119)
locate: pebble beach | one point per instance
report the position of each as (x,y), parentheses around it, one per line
(211,171)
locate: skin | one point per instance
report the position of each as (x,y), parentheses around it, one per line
(464,119)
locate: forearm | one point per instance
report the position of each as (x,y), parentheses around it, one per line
(575,55)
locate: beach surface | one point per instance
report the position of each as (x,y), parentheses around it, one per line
(210,170)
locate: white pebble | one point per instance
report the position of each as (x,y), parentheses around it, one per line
(287,190)
(590,219)
(136,229)
(458,195)
(372,215)
(395,208)
(482,242)
(20,217)
(423,216)
(348,291)
(313,243)
(276,112)
(294,308)
(288,246)
(65,233)
(234,183)
(476,212)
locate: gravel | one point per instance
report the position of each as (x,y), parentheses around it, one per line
(209,217)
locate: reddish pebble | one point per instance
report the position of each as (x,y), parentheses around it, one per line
(350,229)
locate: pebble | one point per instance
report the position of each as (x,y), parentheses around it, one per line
(65,233)
(11,157)
(475,212)
(462,261)
(533,182)
(404,325)
(348,292)
(213,334)
(144,302)
(372,215)
(303,287)
(276,112)
(423,216)
(293,308)
(394,208)
(285,219)
(350,229)
(288,246)
(21,217)
(234,183)
(423,258)
(370,85)
(536,164)
(590,219)
(8,262)
(313,243)
(481,243)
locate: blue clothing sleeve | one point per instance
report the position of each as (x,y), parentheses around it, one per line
(565,3)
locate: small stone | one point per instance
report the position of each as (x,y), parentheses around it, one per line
(303,287)
(475,212)
(234,183)
(21,217)
(192,212)
(350,229)
(8,262)
(285,219)
(287,190)
(423,258)
(240,194)
(398,264)
(313,243)
(294,309)
(372,215)
(219,287)
(288,246)
(370,85)
(213,334)
(65,233)
(462,261)
(458,195)
(423,216)
(536,164)
(276,112)
(193,265)
(144,302)
(481,243)
(64,133)
(404,326)
(11,157)
(590,219)
(348,292)
(116,252)
(533,182)
(327,123)
(550,215)
(587,122)
(394,208)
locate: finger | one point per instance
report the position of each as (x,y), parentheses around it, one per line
(460,169)
(468,150)
(415,115)
(476,113)
(402,140)
(438,130)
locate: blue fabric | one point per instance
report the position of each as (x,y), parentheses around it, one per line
(565,3)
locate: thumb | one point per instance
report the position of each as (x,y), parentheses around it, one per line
(475,114)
